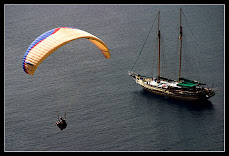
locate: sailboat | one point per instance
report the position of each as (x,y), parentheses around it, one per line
(181,89)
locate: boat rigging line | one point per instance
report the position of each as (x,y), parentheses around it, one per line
(144,43)
(197,45)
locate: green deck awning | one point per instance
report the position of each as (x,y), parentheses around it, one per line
(187,83)
(182,84)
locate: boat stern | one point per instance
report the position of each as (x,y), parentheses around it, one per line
(210,93)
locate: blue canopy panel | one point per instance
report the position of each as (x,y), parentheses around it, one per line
(35,42)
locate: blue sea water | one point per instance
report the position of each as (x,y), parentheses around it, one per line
(106,109)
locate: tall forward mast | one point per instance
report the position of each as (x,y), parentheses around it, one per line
(159,37)
(180,37)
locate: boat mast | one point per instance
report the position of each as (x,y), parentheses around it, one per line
(180,37)
(159,37)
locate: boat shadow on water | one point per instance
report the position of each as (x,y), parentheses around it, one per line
(193,105)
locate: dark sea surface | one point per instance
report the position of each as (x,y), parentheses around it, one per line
(106,109)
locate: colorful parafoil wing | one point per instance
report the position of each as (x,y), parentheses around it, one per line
(53,39)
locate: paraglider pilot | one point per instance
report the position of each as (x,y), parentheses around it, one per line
(61,123)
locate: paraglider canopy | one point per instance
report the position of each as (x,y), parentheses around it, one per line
(53,39)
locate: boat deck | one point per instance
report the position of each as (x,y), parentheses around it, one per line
(171,88)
